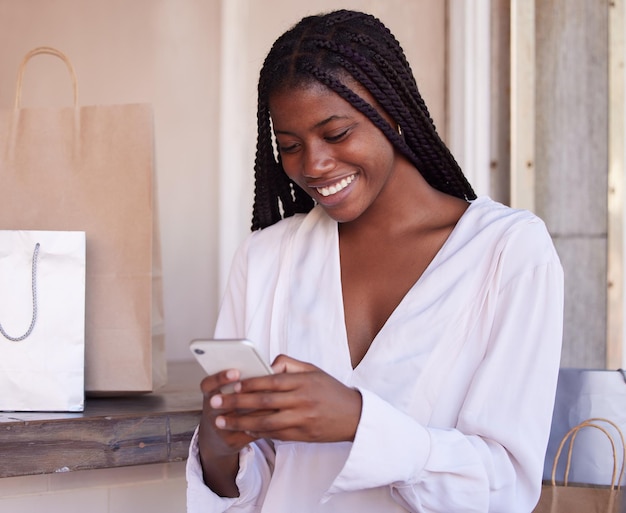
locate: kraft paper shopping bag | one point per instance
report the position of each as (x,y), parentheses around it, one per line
(568,498)
(91,168)
(42,320)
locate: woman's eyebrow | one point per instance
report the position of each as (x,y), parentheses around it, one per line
(316,125)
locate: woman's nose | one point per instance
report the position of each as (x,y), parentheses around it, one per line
(317,161)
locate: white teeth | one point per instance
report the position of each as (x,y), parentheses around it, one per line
(335,188)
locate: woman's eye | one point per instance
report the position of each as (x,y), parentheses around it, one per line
(338,137)
(288,148)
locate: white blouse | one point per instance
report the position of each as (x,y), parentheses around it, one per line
(458,386)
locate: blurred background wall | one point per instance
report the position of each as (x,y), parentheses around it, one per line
(197,63)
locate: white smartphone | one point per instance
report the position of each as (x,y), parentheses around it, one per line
(216,355)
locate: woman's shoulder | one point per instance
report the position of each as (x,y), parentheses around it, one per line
(278,231)
(272,239)
(501,220)
(519,233)
(491,211)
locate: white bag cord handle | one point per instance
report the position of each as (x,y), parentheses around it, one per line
(49,51)
(34,292)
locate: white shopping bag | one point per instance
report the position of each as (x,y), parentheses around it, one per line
(42,320)
(582,394)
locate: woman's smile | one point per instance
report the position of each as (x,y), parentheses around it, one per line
(335,188)
(331,190)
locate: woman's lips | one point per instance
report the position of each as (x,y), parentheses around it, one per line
(336,187)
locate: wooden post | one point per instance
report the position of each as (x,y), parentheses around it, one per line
(523,104)
(615,235)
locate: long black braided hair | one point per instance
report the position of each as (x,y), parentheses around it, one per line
(327,49)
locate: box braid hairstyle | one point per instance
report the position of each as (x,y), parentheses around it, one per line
(328,48)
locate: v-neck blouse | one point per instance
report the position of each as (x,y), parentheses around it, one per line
(457,386)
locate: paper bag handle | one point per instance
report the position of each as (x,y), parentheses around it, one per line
(615,479)
(39,51)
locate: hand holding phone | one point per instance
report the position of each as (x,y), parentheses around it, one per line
(216,355)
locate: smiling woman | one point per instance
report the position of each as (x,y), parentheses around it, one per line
(393,303)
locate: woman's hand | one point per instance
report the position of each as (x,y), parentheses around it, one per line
(218,448)
(216,442)
(299,402)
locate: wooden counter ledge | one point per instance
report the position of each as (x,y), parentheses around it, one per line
(111,432)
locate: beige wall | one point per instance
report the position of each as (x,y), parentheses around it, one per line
(164,52)
(196,62)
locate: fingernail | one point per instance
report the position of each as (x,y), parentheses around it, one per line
(231,374)
(220,422)
(216,401)
(237,387)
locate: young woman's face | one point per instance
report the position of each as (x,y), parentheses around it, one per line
(331,150)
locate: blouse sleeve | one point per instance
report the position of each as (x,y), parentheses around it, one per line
(256,459)
(251,481)
(492,459)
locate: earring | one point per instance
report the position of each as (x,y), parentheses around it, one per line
(399,129)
